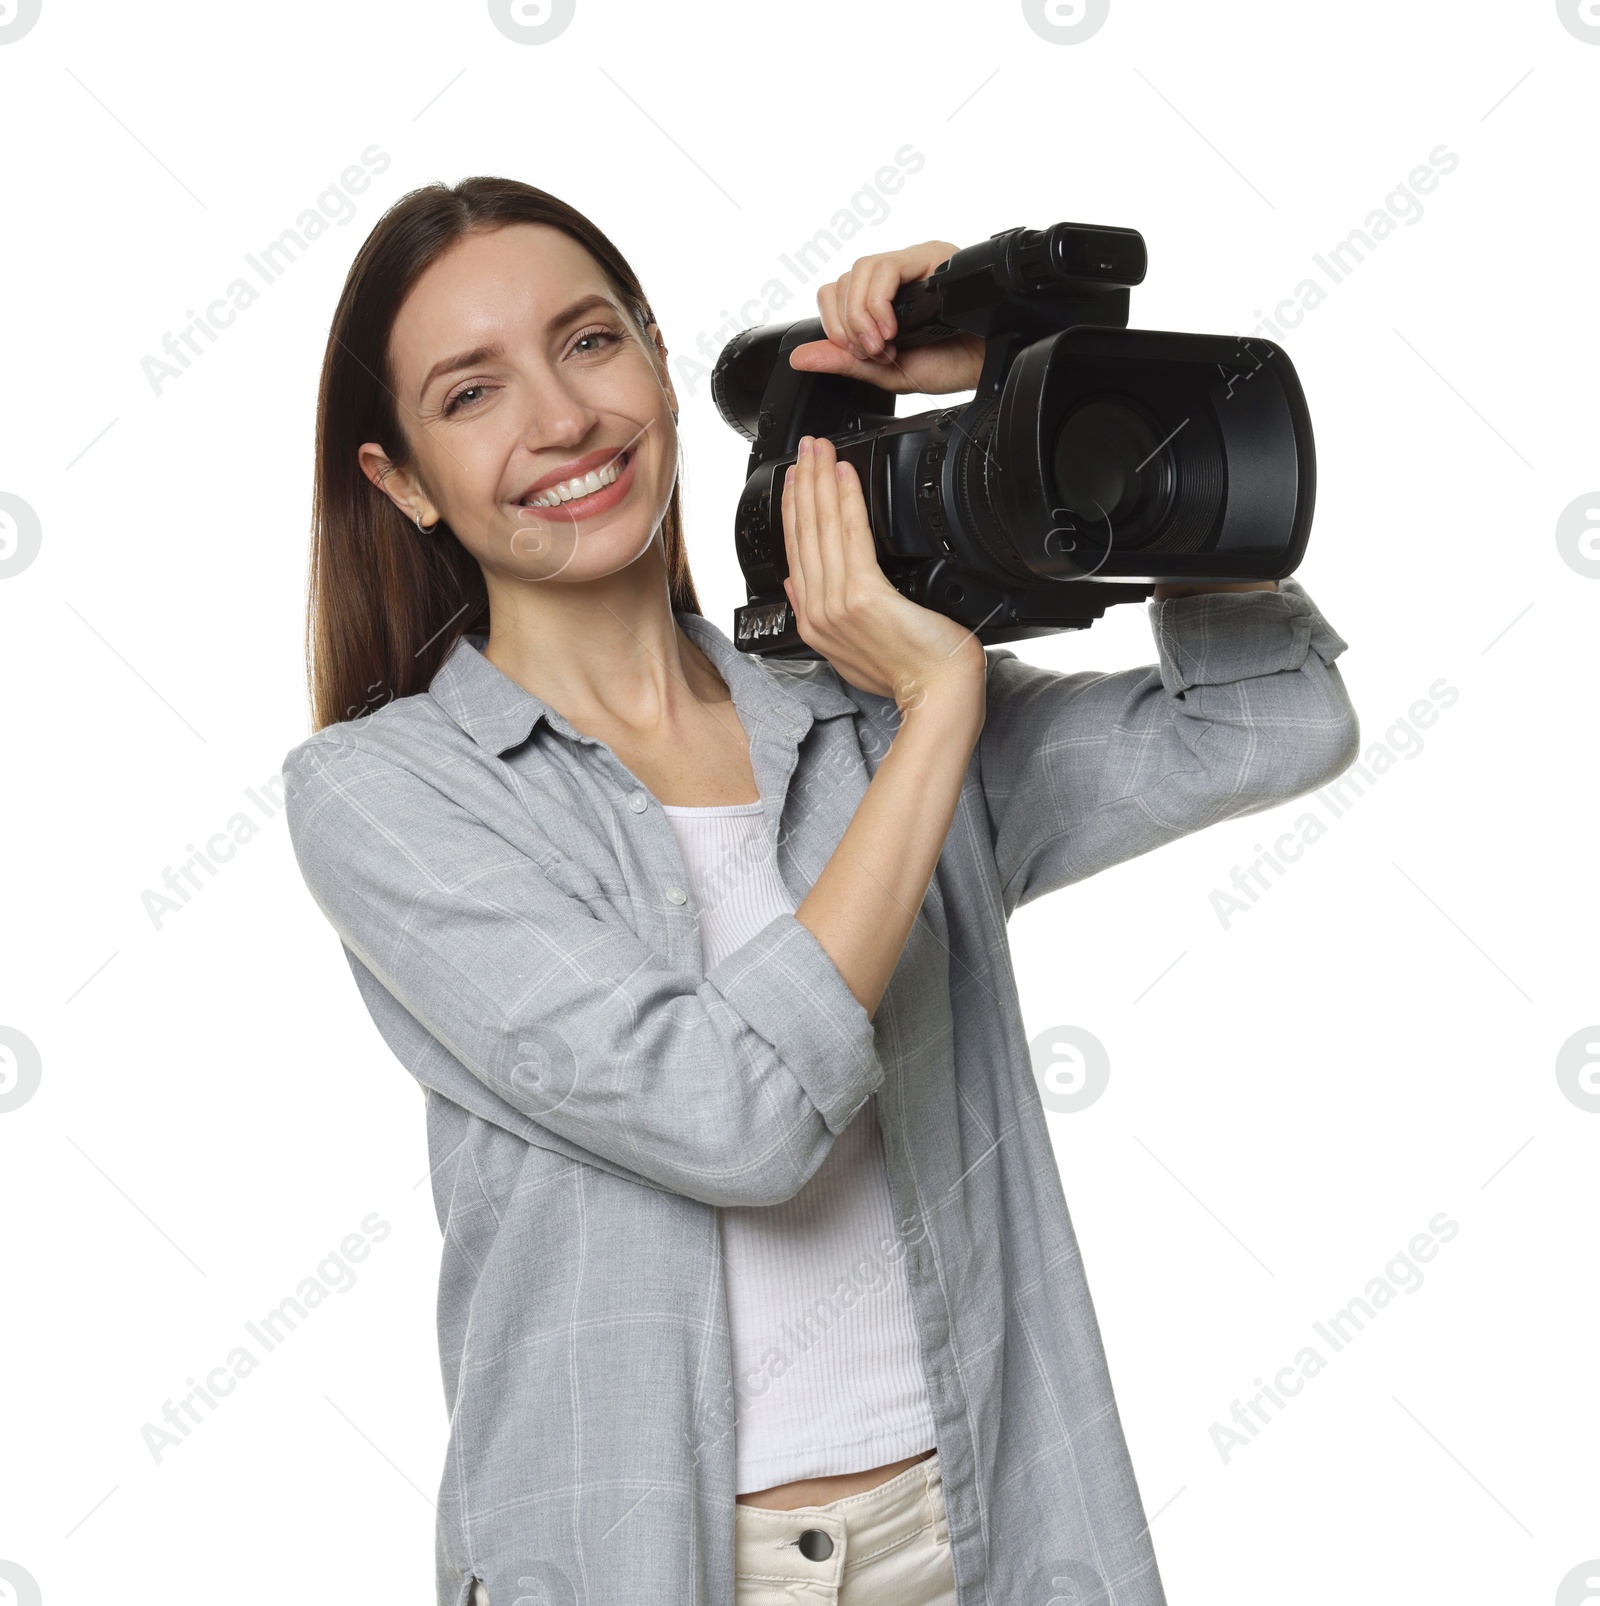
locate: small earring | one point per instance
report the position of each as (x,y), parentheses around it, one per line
(416,519)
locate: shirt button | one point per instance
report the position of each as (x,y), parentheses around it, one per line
(638,802)
(677,895)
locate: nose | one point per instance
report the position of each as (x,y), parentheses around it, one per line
(556,414)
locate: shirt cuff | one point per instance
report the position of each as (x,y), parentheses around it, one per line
(1214,637)
(785,985)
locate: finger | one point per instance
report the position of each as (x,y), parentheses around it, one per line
(860,324)
(829,534)
(828,311)
(797,543)
(852,319)
(824,357)
(855,523)
(877,294)
(833,304)
(805,524)
(891,273)
(791,543)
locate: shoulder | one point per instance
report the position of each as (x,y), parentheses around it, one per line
(410,740)
(1007,674)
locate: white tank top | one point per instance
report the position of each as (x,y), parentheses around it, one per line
(826,1372)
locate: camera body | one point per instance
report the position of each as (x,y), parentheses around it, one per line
(1091,460)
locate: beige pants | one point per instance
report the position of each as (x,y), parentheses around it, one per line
(887,1546)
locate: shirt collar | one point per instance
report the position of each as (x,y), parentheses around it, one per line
(499,714)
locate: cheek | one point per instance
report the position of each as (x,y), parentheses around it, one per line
(665,447)
(471,468)
(665,476)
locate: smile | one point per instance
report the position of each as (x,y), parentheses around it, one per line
(586,493)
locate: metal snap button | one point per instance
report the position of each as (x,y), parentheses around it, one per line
(815,1545)
(677,895)
(638,802)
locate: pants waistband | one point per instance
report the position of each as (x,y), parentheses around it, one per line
(857,1528)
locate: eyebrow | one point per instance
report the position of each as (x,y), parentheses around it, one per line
(479,354)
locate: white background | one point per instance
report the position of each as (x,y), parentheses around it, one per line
(1291,1098)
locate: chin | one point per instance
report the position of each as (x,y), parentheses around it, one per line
(590,554)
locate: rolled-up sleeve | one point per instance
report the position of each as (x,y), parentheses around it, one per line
(727,1088)
(1245,709)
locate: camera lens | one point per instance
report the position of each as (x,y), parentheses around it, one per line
(1112,471)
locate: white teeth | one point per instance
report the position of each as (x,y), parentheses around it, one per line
(583,485)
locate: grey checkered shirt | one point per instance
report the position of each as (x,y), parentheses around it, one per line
(516,913)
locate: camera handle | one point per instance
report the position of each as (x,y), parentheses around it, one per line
(1016,287)
(1020,285)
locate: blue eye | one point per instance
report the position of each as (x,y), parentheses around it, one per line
(594,334)
(460,396)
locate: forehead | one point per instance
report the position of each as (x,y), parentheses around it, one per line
(492,286)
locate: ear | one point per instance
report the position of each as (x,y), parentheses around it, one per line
(400,485)
(666,376)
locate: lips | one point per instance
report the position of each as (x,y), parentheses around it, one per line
(590,463)
(590,502)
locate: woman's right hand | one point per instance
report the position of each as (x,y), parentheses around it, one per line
(846,609)
(857,313)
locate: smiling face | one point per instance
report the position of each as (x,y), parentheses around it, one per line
(538,415)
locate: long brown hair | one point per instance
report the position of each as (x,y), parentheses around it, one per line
(386,603)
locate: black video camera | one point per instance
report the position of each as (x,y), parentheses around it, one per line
(1091,460)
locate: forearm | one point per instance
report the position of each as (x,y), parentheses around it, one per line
(505,990)
(864,903)
(1081,771)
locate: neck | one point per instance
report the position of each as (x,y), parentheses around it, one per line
(602,651)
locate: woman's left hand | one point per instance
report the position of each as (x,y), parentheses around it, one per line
(858,316)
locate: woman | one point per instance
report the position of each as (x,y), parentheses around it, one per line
(758,1280)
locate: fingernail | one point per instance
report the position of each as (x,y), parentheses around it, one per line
(870,341)
(788,475)
(805,446)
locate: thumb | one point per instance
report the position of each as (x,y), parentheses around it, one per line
(824,357)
